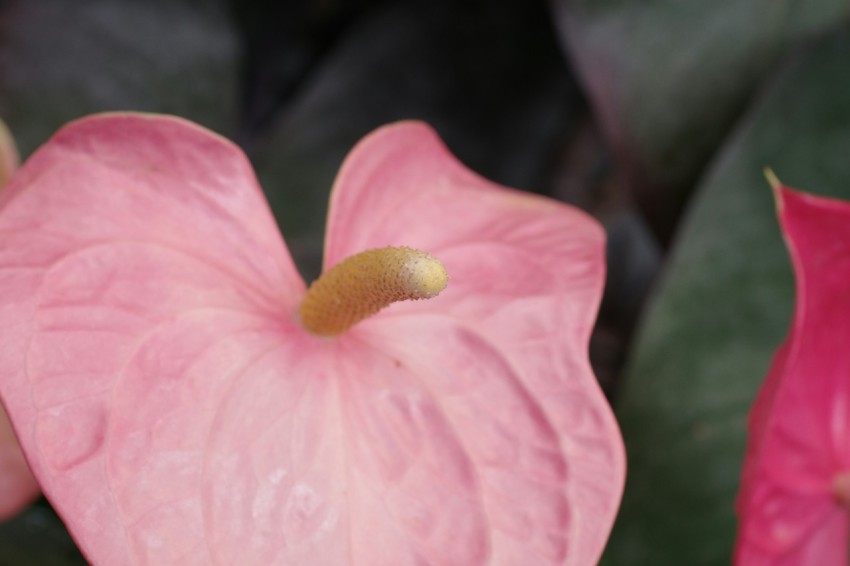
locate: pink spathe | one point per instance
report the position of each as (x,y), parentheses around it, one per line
(799,446)
(175,411)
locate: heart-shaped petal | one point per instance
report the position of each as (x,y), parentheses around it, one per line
(175,411)
(511,258)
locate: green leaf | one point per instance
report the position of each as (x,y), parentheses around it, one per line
(503,103)
(63,60)
(669,78)
(718,316)
(37,536)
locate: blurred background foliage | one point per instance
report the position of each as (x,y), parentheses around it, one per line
(656,116)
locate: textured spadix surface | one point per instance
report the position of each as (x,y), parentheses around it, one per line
(175,411)
(799,428)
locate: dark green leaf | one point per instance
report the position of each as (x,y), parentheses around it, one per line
(63,60)
(668,78)
(37,537)
(720,313)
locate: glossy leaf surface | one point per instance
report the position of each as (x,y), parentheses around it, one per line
(669,79)
(65,60)
(718,316)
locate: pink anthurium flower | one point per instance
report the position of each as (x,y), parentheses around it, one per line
(161,377)
(795,492)
(17,486)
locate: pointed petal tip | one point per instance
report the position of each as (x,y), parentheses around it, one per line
(781,192)
(786,199)
(793,204)
(772,179)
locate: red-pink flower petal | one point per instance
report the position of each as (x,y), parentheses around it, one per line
(800,424)
(176,412)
